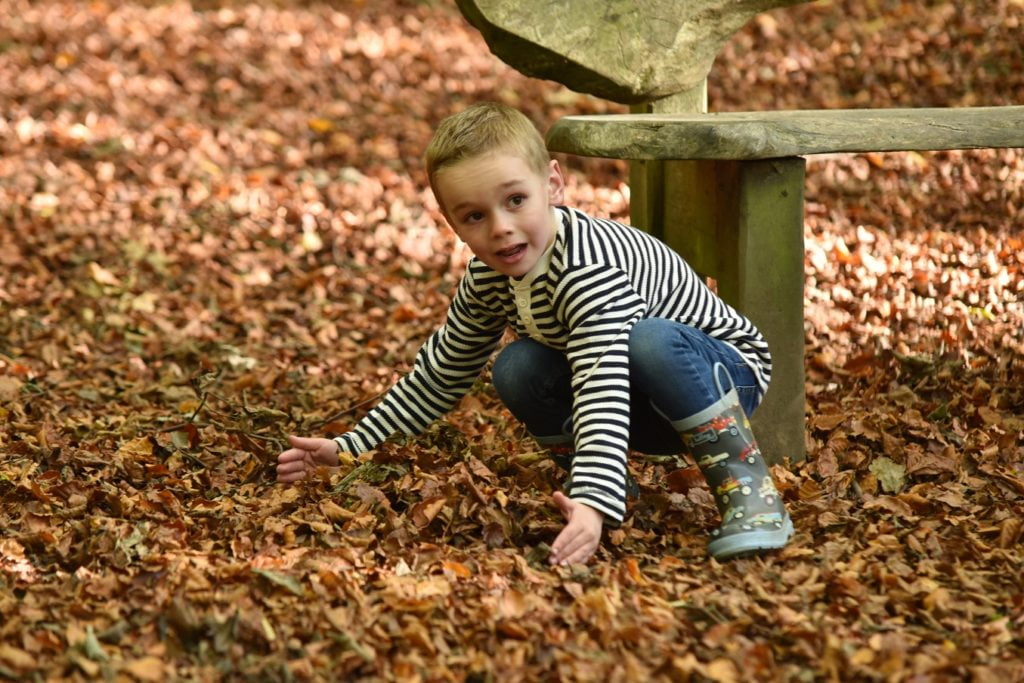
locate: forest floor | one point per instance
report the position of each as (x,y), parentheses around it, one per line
(215,230)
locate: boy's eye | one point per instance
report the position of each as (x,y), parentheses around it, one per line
(517,199)
(472,217)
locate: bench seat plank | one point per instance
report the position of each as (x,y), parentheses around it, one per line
(773,134)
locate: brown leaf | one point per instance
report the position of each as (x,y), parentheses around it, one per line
(829,422)
(423,513)
(512,629)
(723,671)
(1009,532)
(682,480)
(920,463)
(809,490)
(10,388)
(146,669)
(16,658)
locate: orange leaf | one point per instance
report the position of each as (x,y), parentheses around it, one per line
(809,490)
(320,125)
(405,313)
(633,569)
(829,422)
(457,568)
(16,659)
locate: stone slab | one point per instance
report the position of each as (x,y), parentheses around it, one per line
(627,51)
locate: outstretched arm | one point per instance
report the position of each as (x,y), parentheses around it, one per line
(445,367)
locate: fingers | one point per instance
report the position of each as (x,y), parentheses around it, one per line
(327,452)
(581,554)
(564,539)
(289,477)
(574,545)
(304,443)
(304,456)
(293,464)
(581,535)
(292,454)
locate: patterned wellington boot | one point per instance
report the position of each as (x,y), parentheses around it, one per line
(562,455)
(722,442)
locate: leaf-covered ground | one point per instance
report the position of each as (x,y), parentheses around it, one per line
(215,230)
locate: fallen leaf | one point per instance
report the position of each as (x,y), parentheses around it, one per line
(891,475)
(10,388)
(103,276)
(146,669)
(282,580)
(16,658)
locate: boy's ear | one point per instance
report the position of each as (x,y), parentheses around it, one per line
(556,184)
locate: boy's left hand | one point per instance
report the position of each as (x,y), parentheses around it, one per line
(581,535)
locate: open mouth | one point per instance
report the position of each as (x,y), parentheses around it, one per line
(512,252)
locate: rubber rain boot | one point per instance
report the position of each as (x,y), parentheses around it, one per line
(722,442)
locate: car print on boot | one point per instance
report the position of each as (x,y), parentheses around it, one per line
(710,460)
(733,485)
(774,519)
(749,454)
(711,431)
(768,492)
(734,513)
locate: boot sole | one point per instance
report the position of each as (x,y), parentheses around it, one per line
(751,542)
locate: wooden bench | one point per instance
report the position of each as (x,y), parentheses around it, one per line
(724,190)
(735,212)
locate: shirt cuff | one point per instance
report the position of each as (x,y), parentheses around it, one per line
(613,508)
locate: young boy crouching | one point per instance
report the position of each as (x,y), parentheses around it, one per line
(621,345)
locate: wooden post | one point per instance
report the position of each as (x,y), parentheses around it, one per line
(646,178)
(740,222)
(762,275)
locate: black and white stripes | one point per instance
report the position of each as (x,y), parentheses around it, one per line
(602,278)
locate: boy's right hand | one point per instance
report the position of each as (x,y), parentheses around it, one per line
(304,457)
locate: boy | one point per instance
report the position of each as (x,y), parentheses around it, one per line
(620,344)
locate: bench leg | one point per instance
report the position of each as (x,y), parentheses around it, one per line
(741,222)
(768,287)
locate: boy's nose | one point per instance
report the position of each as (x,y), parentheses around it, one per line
(500,224)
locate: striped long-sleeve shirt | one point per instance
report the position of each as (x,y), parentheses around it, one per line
(595,282)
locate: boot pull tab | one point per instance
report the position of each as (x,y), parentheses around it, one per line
(722,393)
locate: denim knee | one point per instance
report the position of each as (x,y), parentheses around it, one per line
(534,382)
(509,369)
(651,349)
(675,365)
(528,371)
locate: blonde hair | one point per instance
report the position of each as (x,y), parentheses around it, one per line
(480,129)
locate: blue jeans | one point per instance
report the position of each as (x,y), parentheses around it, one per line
(671,368)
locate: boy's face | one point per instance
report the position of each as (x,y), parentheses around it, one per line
(501,207)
